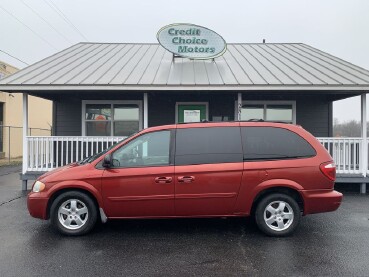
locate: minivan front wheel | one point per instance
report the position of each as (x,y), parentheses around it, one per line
(277,214)
(73,213)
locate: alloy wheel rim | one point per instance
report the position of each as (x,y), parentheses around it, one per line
(73,214)
(278,215)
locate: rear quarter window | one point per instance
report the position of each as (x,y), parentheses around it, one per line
(270,143)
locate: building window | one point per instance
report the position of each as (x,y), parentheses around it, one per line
(269,111)
(111,118)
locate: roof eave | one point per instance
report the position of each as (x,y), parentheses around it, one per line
(22,88)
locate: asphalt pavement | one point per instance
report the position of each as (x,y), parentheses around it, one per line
(331,244)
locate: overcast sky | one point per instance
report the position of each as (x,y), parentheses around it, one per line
(38,28)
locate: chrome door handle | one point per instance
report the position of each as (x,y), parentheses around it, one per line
(186,179)
(163,180)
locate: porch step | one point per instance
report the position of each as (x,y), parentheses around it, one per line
(351,178)
(31,175)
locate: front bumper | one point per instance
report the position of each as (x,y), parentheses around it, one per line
(320,201)
(37,205)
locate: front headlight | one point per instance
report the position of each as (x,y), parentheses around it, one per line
(38,186)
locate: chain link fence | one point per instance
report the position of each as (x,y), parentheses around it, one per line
(11,143)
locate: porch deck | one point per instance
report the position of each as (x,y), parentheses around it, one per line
(45,153)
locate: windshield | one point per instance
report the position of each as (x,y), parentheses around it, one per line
(98,155)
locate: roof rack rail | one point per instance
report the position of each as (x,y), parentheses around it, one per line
(248,120)
(254,120)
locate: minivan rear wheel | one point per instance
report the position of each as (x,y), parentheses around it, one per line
(73,213)
(277,215)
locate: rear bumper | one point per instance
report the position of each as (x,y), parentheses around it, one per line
(321,201)
(37,205)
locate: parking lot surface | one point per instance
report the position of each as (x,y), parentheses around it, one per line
(331,244)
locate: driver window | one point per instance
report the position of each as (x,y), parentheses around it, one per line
(150,149)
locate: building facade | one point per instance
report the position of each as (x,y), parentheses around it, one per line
(11,120)
(102,92)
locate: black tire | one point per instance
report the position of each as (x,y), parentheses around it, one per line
(81,202)
(279,223)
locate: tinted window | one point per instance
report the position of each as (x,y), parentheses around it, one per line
(208,145)
(150,149)
(268,143)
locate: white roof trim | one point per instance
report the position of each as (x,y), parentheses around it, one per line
(20,88)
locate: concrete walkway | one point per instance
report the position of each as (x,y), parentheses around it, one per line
(10,185)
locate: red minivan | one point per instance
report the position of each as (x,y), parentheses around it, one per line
(273,171)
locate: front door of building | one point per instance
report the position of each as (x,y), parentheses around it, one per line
(191,112)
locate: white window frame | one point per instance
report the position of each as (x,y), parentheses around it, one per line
(270,102)
(192,103)
(111,102)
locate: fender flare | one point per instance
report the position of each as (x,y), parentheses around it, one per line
(77,184)
(269,184)
(276,183)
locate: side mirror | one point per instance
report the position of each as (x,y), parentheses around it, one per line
(107,161)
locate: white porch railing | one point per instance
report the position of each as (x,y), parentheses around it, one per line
(47,153)
(346,153)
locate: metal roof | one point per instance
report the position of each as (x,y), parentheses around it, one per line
(251,66)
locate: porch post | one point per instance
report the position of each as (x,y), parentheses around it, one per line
(145,111)
(239,106)
(25,130)
(364,150)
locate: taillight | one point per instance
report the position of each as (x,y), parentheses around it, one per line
(329,170)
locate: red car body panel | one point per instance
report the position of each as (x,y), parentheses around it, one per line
(213,190)
(205,190)
(73,176)
(133,192)
(319,201)
(37,205)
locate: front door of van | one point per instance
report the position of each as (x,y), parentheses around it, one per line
(208,172)
(141,181)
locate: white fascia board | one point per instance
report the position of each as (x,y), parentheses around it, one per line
(19,88)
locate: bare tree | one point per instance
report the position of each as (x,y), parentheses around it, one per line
(350,128)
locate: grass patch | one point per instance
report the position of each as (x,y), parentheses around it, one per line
(12,162)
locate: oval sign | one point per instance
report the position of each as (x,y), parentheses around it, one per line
(191,41)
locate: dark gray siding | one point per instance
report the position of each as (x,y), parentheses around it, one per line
(313,112)
(162,105)
(68,109)
(68,121)
(314,116)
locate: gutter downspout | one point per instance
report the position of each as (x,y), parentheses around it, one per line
(364,151)
(145,110)
(25,148)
